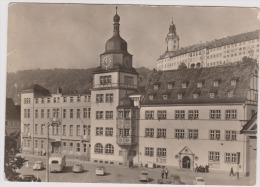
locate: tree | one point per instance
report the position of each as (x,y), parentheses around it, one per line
(13,162)
(182,66)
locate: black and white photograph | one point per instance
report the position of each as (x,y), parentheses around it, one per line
(130,94)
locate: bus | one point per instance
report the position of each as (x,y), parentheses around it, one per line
(57,163)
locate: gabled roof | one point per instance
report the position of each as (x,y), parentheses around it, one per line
(241,70)
(213,44)
(12,111)
(251,126)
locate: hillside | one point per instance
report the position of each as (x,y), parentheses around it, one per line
(70,80)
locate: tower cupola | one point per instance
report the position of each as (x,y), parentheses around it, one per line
(172,39)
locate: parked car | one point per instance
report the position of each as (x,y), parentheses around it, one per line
(77,168)
(164,181)
(176,179)
(29,178)
(38,165)
(143,176)
(199,181)
(100,170)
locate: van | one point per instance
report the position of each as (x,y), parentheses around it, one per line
(57,163)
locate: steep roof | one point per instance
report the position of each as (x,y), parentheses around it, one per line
(12,110)
(38,90)
(251,126)
(213,44)
(224,74)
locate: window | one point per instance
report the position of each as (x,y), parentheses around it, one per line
(193,114)
(231,157)
(99,98)
(179,133)
(180,114)
(98,148)
(71,113)
(155,87)
(36,129)
(56,112)
(129,80)
(71,99)
(48,113)
(121,132)
(99,131)
(78,98)
(193,133)
(99,114)
(214,134)
(161,152)
(78,130)
(109,131)
(54,100)
(109,114)
(64,130)
(150,97)
(78,147)
(126,132)
(78,113)
(169,86)
(42,144)
(184,85)
(85,129)
(149,114)
(84,147)
(215,114)
(109,149)
(165,97)
(161,133)
(149,132)
(104,80)
(89,111)
(161,114)
(36,113)
(230,94)
(109,98)
(26,113)
(42,128)
(42,113)
(214,156)
(231,135)
(65,99)
(149,151)
(42,100)
(211,95)
(64,113)
(48,100)
(71,130)
(231,114)
(27,100)
(71,146)
(215,83)
(179,96)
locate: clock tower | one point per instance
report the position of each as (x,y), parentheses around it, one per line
(113,124)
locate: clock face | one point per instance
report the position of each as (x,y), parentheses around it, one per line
(107,61)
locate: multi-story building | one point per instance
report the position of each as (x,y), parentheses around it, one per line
(113,118)
(194,116)
(66,117)
(214,53)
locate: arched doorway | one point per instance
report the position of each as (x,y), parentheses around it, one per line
(186,162)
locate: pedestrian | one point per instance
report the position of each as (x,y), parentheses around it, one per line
(166,172)
(141,165)
(196,167)
(162,173)
(231,171)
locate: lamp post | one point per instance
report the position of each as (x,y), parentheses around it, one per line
(47,152)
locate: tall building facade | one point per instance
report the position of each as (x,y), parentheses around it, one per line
(66,117)
(217,52)
(113,118)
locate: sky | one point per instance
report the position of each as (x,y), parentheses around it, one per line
(48,36)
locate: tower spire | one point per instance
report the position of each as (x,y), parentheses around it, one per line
(116,20)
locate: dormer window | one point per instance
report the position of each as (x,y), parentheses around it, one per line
(165,97)
(212,95)
(150,97)
(169,86)
(195,96)
(199,85)
(230,94)
(233,82)
(184,85)
(179,96)
(155,87)
(215,83)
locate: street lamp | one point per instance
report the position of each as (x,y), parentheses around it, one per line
(47,151)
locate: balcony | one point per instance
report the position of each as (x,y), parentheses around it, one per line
(85,138)
(127,140)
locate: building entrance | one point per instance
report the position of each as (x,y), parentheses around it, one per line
(186,162)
